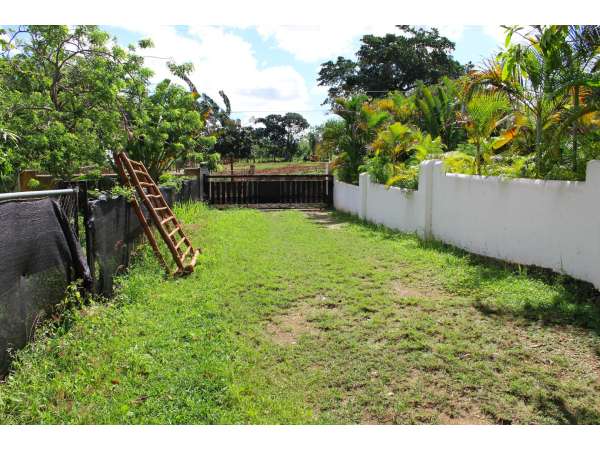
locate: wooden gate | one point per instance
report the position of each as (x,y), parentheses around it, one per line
(266,190)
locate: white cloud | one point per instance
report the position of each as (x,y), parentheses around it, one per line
(498,33)
(317,43)
(225,61)
(452,32)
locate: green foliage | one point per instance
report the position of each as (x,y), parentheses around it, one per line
(361,122)
(65,92)
(235,140)
(396,153)
(281,133)
(533,112)
(552,81)
(171,180)
(332,132)
(122,191)
(167,127)
(33,184)
(394,62)
(483,114)
(438,107)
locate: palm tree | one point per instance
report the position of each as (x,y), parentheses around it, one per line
(361,121)
(538,77)
(577,50)
(483,114)
(438,107)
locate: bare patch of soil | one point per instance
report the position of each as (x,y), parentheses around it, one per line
(287,328)
(325,219)
(401,290)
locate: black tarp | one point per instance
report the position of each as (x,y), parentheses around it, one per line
(115,229)
(39,257)
(191,190)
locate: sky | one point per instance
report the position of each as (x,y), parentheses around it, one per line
(273,69)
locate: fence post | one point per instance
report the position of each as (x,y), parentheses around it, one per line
(89,241)
(202,173)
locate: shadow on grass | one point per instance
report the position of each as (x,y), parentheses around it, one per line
(575,303)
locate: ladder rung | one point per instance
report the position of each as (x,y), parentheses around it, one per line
(167,220)
(161,209)
(180,242)
(143,183)
(185,253)
(172,233)
(154,195)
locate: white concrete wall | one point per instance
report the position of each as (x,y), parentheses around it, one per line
(346,197)
(400,209)
(552,224)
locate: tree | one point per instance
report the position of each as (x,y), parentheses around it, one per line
(438,108)
(397,151)
(484,113)
(68,92)
(236,140)
(166,127)
(361,122)
(576,49)
(293,124)
(282,133)
(531,75)
(392,63)
(331,135)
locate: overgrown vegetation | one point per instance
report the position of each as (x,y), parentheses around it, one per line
(531,111)
(279,324)
(70,97)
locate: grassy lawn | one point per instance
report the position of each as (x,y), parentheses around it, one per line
(292,318)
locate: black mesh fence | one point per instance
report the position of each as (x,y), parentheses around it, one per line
(115,229)
(40,256)
(40,253)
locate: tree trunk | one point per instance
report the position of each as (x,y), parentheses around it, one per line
(538,143)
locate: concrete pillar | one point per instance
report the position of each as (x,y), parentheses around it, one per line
(363,184)
(427,174)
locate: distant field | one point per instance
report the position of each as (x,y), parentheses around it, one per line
(285,167)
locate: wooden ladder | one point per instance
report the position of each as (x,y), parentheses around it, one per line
(134,174)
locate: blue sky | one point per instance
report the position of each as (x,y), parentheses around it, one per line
(273,69)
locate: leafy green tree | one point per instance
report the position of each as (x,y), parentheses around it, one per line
(282,133)
(236,140)
(576,49)
(166,127)
(332,132)
(394,62)
(69,91)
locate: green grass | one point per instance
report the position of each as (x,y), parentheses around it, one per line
(296,319)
